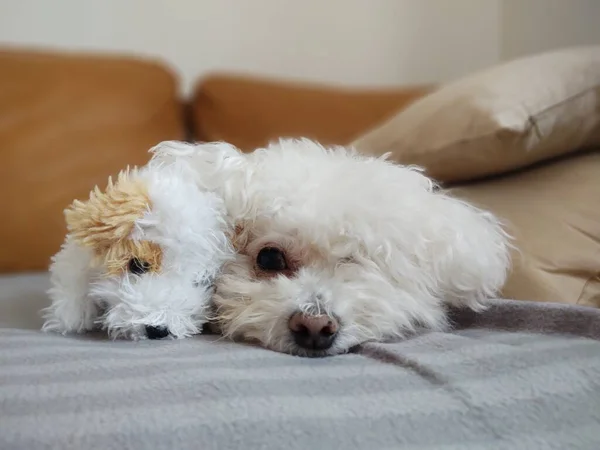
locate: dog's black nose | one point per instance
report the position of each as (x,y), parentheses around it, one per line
(156,332)
(313,332)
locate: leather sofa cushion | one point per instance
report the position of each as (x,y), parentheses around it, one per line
(248,112)
(67,122)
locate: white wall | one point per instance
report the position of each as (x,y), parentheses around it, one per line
(531,26)
(369,42)
(355,42)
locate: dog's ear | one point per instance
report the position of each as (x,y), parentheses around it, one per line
(449,248)
(215,166)
(108,216)
(209,163)
(471,250)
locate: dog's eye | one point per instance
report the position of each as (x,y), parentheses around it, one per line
(271,259)
(138,267)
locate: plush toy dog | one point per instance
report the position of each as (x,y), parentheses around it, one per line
(140,257)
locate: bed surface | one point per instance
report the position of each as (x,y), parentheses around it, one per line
(519,376)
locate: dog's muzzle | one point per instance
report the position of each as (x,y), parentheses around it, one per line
(313,332)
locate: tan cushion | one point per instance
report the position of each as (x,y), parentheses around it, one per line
(249,112)
(506,117)
(554,213)
(66,123)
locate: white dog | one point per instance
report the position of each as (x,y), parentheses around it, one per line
(335,248)
(140,258)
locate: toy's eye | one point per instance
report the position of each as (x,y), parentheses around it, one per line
(271,259)
(138,267)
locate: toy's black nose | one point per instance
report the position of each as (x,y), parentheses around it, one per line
(156,332)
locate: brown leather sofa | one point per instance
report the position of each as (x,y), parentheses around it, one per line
(68,121)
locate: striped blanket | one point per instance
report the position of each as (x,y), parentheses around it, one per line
(519,376)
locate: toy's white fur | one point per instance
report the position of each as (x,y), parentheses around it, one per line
(189,226)
(376,245)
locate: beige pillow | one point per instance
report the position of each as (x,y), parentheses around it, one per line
(553,211)
(506,117)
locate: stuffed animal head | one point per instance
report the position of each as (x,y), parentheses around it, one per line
(153,242)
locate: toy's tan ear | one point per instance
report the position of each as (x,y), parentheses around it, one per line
(108,217)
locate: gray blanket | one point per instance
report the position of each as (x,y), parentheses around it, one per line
(519,376)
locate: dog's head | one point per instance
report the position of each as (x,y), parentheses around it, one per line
(157,242)
(335,249)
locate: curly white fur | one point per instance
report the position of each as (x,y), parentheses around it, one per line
(376,245)
(189,224)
